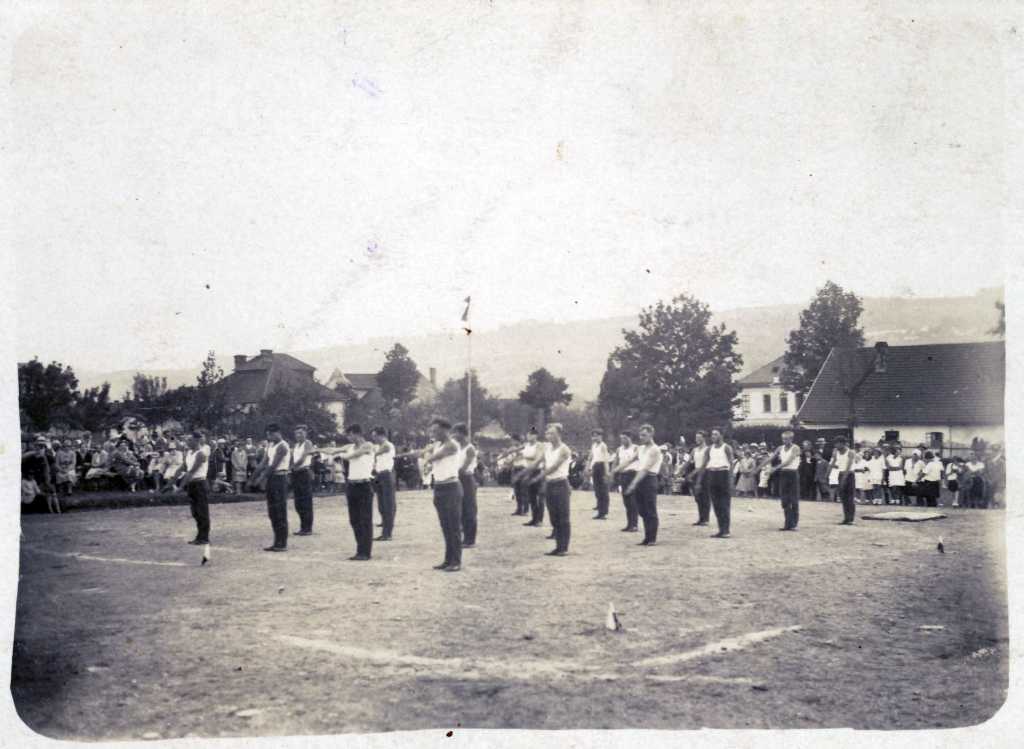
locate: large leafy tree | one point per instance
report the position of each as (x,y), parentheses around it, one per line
(543,390)
(619,401)
(398,378)
(92,409)
(207,407)
(451,401)
(680,365)
(145,388)
(298,403)
(45,392)
(832,320)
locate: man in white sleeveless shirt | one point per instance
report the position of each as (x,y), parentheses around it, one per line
(443,457)
(384,482)
(302,480)
(467,477)
(554,472)
(718,479)
(359,490)
(789,480)
(194,481)
(842,461)
(274,468)
(597,466)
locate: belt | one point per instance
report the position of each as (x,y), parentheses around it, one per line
(360,481)
(302,468)
(386,470)
(445,482)
(715,470)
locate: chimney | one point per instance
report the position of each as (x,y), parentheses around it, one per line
(433,377)
(240,359)
(266,352)
(881,357)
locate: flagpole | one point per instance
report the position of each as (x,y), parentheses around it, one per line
(469,374)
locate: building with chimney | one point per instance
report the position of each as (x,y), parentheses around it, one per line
(763,399)
(253,379)
(944,396)
(364,385)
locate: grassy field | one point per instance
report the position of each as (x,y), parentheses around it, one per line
(121,633)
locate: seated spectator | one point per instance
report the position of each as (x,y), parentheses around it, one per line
(99,465)
(37,488)
(172,463)
(67,467)
(125,465)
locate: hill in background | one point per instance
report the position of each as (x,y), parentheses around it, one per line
(578,350)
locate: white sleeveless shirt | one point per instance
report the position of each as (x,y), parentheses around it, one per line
(785,454)
(360,467)
(551,455)
(627,457)
(644,453)
(384,461)
(447,468)
(300,457)
(462,458)
(717,457)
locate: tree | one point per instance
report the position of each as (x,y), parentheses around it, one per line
(680,365)
(1000,328)
(451,401)
(298,403)
(146,389)
(207,407)
(543,391)
(44,392)
(830,321)
(618,402)
(577,424)
(92,409)
(398,378)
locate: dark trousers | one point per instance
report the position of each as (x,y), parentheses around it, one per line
(448,503)
(646,496)
(846,495)
(702,498)
(717,483)
(789,491)
(385,487)
(302,489)
(536,500)
(359,495)
(277,507)
(824,493)
(468,508)
(629,500)
(600,479)
(558,493)
(199,503)
(522,496)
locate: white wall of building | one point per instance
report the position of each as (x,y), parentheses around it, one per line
(763,406)
(916,434)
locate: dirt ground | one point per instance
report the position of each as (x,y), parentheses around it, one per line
(121,633)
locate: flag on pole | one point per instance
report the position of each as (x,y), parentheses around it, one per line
(465,314)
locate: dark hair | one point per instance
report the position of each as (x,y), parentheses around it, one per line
(273,427)
(516,437)
(627,433)
(597,431)
(701,432)
(533,430)
(461,428)
(197,434)
(378,430)
(353,429)
(440,422)
(928,454)
(303,427)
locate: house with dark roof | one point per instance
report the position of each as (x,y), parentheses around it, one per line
(940,395)
(364,384)
(253,379)
(763,400)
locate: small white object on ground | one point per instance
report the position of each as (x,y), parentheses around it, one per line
(931,627)
(908,517)
(251,712)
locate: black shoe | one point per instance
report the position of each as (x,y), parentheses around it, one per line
(645,542)
(700,523)
(556,553)
(468,546)
(722,535)
(600,517)
(382,538)
(197,542)
(359,558)
(453,568)
(276,548)
(442,566)
(627,529)
(634,529)
(551,537)
(531,524)
(303,533)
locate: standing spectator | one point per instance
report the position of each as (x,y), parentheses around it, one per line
(913,468)
(239,466)
(808,464)
(975,485)
(876,475)
(862,477)
(931,479)
(895,478)
(822,470)
(66,461)
(746,485)
(953,472)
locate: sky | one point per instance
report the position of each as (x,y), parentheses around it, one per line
(283,177)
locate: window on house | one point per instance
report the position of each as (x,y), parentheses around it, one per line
(745,404)
(784,403)
(766,403)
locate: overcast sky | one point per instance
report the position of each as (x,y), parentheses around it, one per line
(238,179)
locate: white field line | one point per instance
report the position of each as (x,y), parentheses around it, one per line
(722,646)
(521,670)
(91,558)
